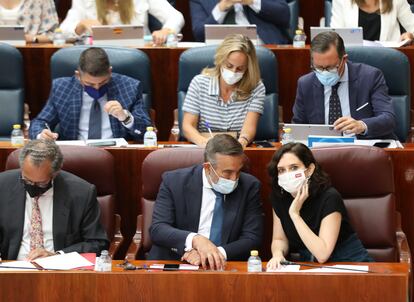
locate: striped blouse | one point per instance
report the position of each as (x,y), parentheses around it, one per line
(203,99)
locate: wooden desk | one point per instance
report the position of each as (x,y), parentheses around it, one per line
(389,283)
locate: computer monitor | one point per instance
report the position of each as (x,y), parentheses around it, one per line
(351,36)
(215,33)
(120,35)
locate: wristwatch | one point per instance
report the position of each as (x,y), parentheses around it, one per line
(128,120)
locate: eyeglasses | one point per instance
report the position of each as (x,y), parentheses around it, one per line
(31,183)
(330,69)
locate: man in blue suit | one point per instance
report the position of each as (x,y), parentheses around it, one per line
(270,16)
(351,96)
(207,214)
(93,104)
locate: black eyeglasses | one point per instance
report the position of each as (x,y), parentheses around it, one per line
(31,183)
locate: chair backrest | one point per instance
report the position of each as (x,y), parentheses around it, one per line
(11,89)
(328,12)
(364,177)
(396,69)
(154,165)
(294,16)
(193,60)
(96,166)
(127,61)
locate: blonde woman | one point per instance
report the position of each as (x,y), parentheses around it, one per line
(380,19)
(38,17)
(228,97)
(87,13)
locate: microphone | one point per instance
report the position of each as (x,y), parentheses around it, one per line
(285,262)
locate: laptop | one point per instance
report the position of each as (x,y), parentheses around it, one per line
(13,35)
(119,35)
(351,36)
(215,33)
(300,132)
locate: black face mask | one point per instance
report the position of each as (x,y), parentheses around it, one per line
(36,191)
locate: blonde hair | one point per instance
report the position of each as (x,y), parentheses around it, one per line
(126,10)
(385,4)
(251,76)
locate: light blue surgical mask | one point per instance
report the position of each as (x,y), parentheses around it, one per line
(223,185)
(328,78)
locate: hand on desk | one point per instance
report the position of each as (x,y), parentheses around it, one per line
(38,253)
(348,124)
(47,134)
(192,257)
(85,26)
(209,253)
(274,263)
(160,36)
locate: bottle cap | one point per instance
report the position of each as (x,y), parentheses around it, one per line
(254,253)
(287,130)
(16,126)
(299,32)
(104,252)
(150,128)
(58,30)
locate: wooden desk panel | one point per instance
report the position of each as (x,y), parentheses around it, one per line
(389,283)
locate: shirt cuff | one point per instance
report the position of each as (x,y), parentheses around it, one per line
(256,6)
(223,252)
(189,242)
(218,15)
(366,128)
(39,136)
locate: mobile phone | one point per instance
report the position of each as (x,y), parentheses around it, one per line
(171,267)
(263,144)
(382,144)
(102,144)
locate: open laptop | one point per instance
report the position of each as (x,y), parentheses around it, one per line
(215,33)
(300,132)
(13,35)
(351,36)
(120,35)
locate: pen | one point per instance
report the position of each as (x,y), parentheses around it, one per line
(47,126)
(208,128)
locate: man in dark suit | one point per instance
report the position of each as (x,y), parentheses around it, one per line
(93,104)
(351,96)
(208,213)
(44,210)
(270,16)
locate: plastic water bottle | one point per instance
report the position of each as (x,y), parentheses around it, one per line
(287,136)
(175,131)
(299,40)
(17,137)
(104,262)
(150,137)
(172,40)
(58,38)
(254,263)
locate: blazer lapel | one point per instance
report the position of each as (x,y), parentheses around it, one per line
(60,213)
(77,99)
(17,206)
(319,102)
(193,198)
(231,207)
(353,89)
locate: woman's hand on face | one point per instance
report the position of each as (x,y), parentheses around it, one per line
(300,198)
(274,263)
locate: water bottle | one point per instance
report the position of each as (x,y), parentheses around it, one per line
(59,38)
(17,137)
(299,40)
(172,40)
(287,136)
(175,131)
(104,262)
(150,137)
(254,263)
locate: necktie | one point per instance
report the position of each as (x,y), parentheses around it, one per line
(230,17)
(335,111)
(217,223)
(36,231)
(95,121)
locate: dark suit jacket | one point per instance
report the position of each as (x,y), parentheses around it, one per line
(272,20)
(366,84)
(76,215)
(65,104)
(177,213)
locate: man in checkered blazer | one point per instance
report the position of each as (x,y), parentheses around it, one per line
(93,104)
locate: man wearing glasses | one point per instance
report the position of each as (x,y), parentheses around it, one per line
(44,211)
(352,97)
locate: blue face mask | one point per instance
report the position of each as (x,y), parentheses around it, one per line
(223,185)
(327,78)
(96,93)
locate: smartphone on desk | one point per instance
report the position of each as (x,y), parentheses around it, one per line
(382,144)
(263,144)
(171,267)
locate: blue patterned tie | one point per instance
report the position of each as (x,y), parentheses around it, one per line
(95,121)
(217,223)
(335,110)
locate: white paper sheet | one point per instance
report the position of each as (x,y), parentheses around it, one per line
(120,142)
(18,266)
(64,262)
(183,267)
(285,269)
(332,269)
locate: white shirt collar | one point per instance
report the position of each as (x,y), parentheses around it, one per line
(206,183)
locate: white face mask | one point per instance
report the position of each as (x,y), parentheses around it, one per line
(231,77)
(292,181)
(223,185)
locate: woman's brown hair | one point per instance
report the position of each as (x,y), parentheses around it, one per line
(125,7)
(386,5)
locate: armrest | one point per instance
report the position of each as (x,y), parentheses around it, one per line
(136,241)
(118,239)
